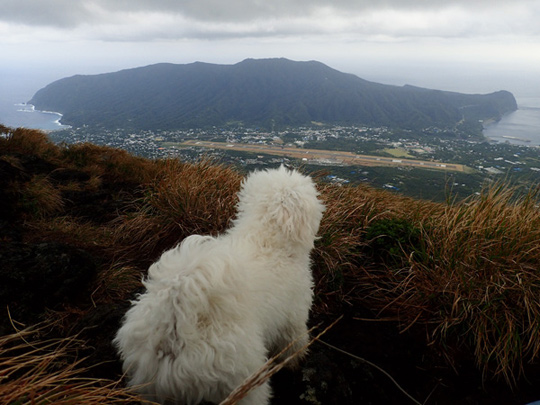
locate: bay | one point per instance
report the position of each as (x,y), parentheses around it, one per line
(15,112)
(521,127)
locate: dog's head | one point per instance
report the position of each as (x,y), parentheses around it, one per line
(281,202)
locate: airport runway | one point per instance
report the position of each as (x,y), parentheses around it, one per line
(327,156)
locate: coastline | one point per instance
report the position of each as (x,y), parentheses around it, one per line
(54,121)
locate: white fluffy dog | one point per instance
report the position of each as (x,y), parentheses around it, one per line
(215,308)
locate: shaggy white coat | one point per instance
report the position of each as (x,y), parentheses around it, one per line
(215,308)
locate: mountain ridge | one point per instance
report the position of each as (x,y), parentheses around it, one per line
(268,93)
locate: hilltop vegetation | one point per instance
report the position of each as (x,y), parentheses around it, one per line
(271,93)
(444,297)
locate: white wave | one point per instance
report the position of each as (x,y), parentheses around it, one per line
(26,107)
(30,108)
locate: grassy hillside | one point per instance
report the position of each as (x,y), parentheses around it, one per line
(444,297)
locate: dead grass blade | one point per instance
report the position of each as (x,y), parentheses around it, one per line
(272,366)
(478,282)
(184,199)
(33,371)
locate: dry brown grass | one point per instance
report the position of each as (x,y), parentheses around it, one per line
(40,198)
(342,268)
(36,371)
(184,199)
(476,281)
(486,269)
(271,367)
(70,230)
(103,161)
(27,141)
(472,279)
(116,283)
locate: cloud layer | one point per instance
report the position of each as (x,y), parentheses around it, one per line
(462,45)
(138,20)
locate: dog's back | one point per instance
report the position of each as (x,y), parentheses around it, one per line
(182,338)
(215,307)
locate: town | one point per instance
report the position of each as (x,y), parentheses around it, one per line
(483,161)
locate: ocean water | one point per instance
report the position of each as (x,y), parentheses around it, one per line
(14,110)
(25,115)
(521,127)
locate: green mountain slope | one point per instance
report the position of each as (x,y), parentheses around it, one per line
(268,93)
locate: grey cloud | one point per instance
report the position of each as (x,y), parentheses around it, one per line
(59,13)
(148,20)
(66,13)
(245,10)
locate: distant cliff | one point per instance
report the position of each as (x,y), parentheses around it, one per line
(270,93)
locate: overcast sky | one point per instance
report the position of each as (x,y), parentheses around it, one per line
(463,45)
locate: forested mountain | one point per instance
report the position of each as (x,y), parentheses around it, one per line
(270,93)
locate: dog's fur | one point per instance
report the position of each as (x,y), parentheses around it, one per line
(215,308)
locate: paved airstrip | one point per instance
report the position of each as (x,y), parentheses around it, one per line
(327,156)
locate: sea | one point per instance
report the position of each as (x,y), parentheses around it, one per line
(16,112)
(521,127)
(15,92)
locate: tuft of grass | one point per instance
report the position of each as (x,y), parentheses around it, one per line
(70,230)
(184,199)
(40,198)
(36,371)
(27,141)
(116,283)
(272,366)
(343,268)
(466,271)
(106,162)
(393,239)
(478,283)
